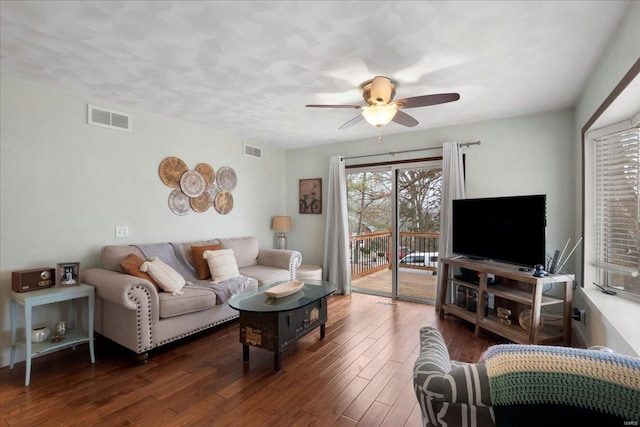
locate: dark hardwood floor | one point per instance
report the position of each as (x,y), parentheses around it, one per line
(360,374)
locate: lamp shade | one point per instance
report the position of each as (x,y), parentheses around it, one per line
(281,223)
(379,115)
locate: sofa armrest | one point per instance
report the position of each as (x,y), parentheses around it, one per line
(468,384)
(281,258)
(432,364)
(118,288)
(435,376)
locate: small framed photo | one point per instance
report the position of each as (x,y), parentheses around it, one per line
(68,274)
(311,196)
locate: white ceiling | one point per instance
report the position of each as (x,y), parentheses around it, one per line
(249,68)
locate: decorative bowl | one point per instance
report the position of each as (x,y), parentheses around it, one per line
(40,334)
(284,289)
(525,320)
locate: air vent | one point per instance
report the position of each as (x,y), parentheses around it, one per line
(251,151)
(110,119)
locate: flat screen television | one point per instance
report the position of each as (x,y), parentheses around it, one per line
(507,229)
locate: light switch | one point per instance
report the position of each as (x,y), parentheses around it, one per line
(122,231)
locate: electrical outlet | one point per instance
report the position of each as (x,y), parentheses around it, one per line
(583,316)
(122,231)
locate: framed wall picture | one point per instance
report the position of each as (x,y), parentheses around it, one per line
(68,274)
(311,196)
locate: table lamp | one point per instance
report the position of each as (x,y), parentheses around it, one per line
(281,224)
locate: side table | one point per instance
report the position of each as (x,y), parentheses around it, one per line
(74,335)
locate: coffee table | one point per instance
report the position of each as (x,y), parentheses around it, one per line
(277,323)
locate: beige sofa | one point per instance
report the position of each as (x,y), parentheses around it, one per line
(132,312)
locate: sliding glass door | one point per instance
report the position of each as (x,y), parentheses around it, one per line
(369,201)
(418,231)
(394,222)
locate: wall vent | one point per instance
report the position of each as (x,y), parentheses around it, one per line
(252,151)
(110,119)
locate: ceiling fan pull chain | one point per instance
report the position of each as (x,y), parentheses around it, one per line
(380,135)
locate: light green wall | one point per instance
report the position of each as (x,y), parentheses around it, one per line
(530,154)
(65,185)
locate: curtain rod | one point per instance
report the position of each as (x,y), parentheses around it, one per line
(393,153)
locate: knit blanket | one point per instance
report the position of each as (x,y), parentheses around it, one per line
(599,381)
(225,289)
(172,255)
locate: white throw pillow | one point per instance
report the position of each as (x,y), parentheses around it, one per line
(167,278)
(222,264)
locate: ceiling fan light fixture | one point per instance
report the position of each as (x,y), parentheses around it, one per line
(379,115)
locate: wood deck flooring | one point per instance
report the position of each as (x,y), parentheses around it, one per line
(360,374)
(414,284)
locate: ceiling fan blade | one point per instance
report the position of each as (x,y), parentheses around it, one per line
(426,100)
(404,119)
(351,122)
(357,107)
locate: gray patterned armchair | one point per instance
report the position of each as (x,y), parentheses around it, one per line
(450,394)
(526,385)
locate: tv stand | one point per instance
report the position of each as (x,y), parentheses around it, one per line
(514,291)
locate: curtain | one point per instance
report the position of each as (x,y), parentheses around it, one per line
(452,188)
(336,267)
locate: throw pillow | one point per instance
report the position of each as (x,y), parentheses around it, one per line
(131,265)
(168,279)
(202,267)
(222,264)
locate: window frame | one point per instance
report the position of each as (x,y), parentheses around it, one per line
(592,273)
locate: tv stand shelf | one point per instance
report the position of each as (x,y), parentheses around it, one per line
(512,289)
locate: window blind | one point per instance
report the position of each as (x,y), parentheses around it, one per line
(616,210)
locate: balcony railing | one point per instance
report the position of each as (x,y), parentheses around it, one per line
(371,252)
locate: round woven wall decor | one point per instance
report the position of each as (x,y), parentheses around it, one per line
(213,191)
(227,178)
(207,173)
(179,202)
(171,170)
(192,184)
(223,202)
(201,203)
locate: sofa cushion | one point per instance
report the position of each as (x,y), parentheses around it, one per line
(167,278)
(185,248)
(191,300)
(245,249)
(131,265)
(113,255)
(265,275)
(222,264)
(201,264)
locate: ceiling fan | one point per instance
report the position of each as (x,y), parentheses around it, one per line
(381,109)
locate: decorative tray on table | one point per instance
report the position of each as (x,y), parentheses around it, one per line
(284,289)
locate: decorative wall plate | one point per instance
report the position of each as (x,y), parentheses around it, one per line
(179,202)
(226,178)
(207,172)
(192,183)
(171,170)
(223,202)
(202,202)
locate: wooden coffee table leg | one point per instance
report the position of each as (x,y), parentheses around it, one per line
(322,331)
(277,361)
(245,353)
